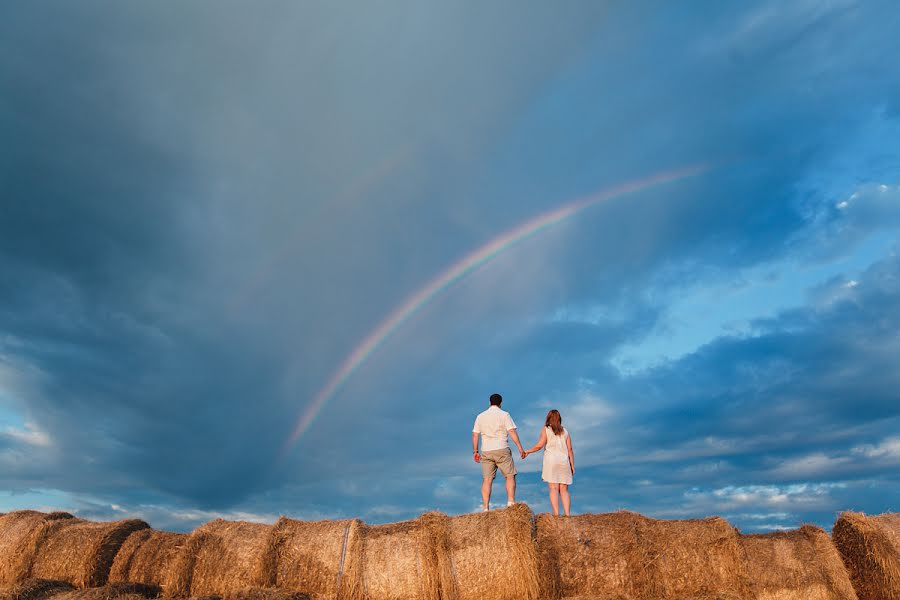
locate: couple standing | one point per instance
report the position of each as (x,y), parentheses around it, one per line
(493,426)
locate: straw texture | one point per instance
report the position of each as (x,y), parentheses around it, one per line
(321,558)
(35,589)
(493,556)
(80,552)
(222,557)
(627,556)
(870,548)
(795,565)
(16,530)
(148,556)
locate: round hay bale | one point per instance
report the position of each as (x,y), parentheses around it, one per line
(148,556)
(492,556)
(627,556)
(16,528)
(406,560)
(80,552)
(690,558)
(35,589)
(112,591)
(257,593)
(221,557)
(870,547)
(588,555)
(321,558)
(795,565)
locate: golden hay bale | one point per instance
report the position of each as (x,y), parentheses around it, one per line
(870,547)
(587,555)
(627,556)
(405,560)
(80,552)
(147,556)
(112,591)
(321,558)
(257,593)
(221,557)
(15,530)
(691,558)
(35,589)
(795,565)
(492,556)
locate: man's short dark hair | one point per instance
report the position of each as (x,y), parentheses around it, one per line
(496,399)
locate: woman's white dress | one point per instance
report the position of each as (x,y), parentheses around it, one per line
(556,459)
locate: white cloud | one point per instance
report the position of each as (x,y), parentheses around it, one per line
(810,465)
(30,435)
(888,449)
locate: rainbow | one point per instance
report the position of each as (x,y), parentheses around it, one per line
(378,336)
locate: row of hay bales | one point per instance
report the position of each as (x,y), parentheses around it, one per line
(500,555)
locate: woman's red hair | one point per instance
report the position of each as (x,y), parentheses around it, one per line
(554,422)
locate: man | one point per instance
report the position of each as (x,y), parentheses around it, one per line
(493,425)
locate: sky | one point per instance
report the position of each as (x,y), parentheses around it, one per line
(273,258)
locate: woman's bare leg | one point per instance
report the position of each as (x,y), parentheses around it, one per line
(564,494)
(554,497)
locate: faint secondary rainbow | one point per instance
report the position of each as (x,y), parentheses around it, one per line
(455,272)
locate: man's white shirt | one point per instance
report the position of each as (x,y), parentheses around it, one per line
(493,425)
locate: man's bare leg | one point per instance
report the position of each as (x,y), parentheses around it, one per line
(511,489)
(564,494)
(554,497)
(486,492)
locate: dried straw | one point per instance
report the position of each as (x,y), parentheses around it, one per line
(492,555)
(588,555)
(322,558)
(627,556)
(77,551)
(16,528)
(870,547)
(690,558)
(148,556)
(112,591)
(35,589)
(257,593)
(795,565)
(221,557)
(400,561)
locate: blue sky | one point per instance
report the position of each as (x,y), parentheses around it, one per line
(205,208)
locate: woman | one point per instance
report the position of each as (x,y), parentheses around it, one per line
(559,460)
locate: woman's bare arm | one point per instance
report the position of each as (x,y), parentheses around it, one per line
(540,444)
(571,453)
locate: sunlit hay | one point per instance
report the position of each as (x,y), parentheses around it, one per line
(258,593)
(801,564)
(148,556)
(112,591)
(35,589)
(870,547)
(80,552)
(16,530)
(400,560)
(492,555)
(221,557)
(321,558)
(696,558)
(588,555)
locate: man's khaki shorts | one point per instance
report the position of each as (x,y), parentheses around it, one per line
(492,459)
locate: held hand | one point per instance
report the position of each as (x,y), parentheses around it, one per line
(523,454)
(477,457)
